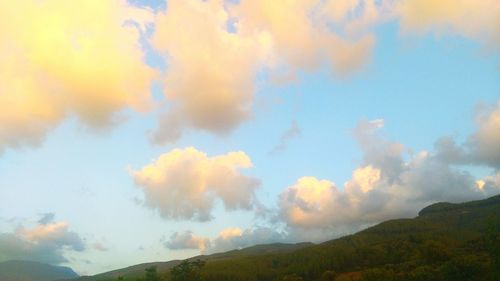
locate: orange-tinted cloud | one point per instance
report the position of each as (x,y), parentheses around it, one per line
(45,242)
(300,35)
(388,184)
(184,183)
(210,78)
(475,19)
(187,240)
(211,71)
(64,58)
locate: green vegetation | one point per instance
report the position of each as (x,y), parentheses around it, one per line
(187,271)
(445,242)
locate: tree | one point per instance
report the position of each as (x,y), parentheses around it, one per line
(462,268)
(152,274)
(434,252)
(187,271)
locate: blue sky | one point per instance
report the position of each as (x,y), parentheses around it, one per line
(424,86)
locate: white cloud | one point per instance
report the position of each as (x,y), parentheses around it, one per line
(211,71)
(228,239)
(476,19)
(485,142)
(185,183)
(384,186)
(300,34)
(236,238)
(482,147)
(44,243)
(62,63)
(187,240)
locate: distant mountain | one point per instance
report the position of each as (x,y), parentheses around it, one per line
(446,241)
(33,271)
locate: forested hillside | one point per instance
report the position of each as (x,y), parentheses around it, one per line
(445,242)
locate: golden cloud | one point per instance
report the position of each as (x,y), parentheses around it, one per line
(84,58)
(211,71)
(62,58)
(475,19)
(212,67)
(184,183)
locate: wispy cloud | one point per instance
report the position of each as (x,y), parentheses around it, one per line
(292,132)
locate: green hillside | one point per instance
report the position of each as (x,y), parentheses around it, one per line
(137,271)
(445,242)
(33,271)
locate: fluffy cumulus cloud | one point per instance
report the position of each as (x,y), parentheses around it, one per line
(228,239)
(305,202)
(84,58)
(45,242)
(211,70)
(214,58)
(212,61)
(187,240)
(78,58)
(236,238)
(300,32)
(185,183)
(390,183)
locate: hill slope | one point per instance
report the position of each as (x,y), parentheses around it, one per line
(33,271)
(444,242)
(137,271)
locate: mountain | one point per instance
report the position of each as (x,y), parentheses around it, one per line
(33,271)
(445,241)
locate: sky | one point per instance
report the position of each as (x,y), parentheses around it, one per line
(152,130)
